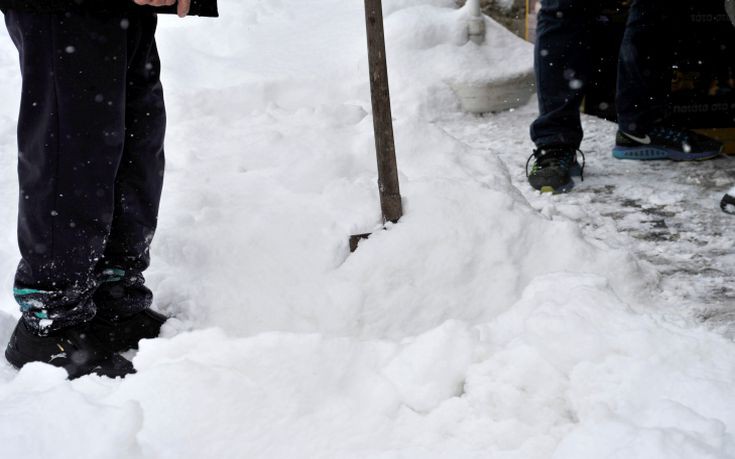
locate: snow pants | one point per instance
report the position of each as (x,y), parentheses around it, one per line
(564,61)
(90,164)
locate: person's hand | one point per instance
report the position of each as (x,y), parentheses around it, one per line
(182,9)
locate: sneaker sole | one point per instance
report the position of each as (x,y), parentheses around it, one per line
(566,188)
(653,153)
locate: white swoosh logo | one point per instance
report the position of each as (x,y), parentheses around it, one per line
(644,140)
(57,356)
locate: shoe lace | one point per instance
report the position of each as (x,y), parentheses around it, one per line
(555,157)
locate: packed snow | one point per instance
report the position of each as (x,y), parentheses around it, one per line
(490,322)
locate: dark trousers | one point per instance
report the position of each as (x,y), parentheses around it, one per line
(90,164)
(564,61)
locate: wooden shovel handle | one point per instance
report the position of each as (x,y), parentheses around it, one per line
(390,194)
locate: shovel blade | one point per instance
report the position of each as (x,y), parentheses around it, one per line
(355,240)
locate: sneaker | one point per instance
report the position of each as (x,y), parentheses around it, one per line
(552,169)
(74,349)
(666,143)
(123,334)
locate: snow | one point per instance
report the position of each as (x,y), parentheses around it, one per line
(489,322)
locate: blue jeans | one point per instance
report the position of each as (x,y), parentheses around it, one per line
(564,62)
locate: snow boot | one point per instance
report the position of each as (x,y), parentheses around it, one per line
(74,349)
(552,169)
(124,333)
(666,143)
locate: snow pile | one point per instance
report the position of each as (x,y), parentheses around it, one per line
(476,327)
(427,40)
(571,376)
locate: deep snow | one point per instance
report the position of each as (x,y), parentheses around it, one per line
(490,322)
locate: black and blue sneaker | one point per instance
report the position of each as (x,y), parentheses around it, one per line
(553,167)
(666,143)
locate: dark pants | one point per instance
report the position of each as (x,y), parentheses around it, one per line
(90,138)
(564,62)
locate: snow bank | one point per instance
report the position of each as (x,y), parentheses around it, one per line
(287,50)
(476,327)
(566,372)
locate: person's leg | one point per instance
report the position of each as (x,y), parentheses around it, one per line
(644,86)
(644,66)
(71,132)
(139,179)
(562,63)
(70,139)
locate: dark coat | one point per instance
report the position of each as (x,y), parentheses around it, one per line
(198,7)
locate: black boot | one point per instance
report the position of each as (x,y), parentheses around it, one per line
(74,349)
(122,334)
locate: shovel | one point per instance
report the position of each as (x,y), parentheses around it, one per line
(390,194)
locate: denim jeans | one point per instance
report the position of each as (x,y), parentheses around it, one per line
(564,62)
